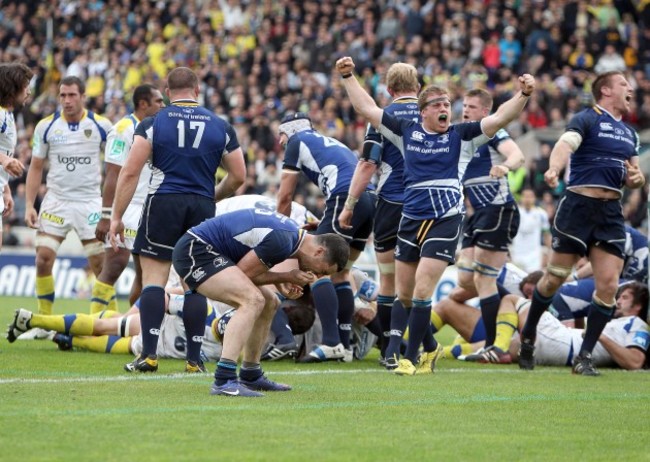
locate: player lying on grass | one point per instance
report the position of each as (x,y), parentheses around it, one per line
(623,343)
(365,326)
(113,332)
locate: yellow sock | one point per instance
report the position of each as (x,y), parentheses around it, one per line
(506,326)
(105,314)
(69,324)
(103,344)
(457,349)
(45,293)
(103,297)
(437,321)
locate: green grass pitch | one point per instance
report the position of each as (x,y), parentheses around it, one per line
(77,406)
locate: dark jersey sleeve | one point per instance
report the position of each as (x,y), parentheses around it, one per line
(143,126)
(275,247)
(292,154)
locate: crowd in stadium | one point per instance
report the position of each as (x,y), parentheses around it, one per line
(259,60)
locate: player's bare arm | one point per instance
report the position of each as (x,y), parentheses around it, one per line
(511,109)
(360,99)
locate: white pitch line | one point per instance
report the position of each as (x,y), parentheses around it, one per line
(163,377)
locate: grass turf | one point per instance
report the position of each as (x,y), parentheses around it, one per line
(82,406)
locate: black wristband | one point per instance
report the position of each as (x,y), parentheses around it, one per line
(527,95)
(346,76)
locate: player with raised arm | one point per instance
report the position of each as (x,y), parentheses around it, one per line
(381,157)
(435,155)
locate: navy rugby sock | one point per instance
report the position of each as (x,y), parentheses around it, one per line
(195,311)
(384,308)
(327,306)
(419,322)
(399,318)
(538,305)
(489,312)
(152,312)
(280,328)
(345,298)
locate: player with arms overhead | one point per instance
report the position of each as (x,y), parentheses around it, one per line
(436,154)
(382,157)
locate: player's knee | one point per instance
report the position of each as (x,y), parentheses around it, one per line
(252,301)
(93,248)
(46,249)
(554,277)
(112,268)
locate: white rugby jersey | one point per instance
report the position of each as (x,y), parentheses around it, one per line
(557,344)
(8,140)
(299,213)
(118,145)
(74,152)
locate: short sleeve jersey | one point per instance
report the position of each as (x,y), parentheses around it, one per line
(188,143)
(327,162)
(272,236)
(74,151)
(299,212)
(388,158)
(606,144)
(434,164)
(481,189)
(118,145)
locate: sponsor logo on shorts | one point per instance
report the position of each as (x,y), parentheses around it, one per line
(72,162)
(198,274)
(53,218)
(93,218)
(219,262)
(130,232)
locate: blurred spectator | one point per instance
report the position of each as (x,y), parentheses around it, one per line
(262,59)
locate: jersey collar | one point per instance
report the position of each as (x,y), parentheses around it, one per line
(185,102)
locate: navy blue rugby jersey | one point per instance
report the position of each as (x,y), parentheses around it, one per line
(388,158)
(188,143)
(327,162)
(434,164)
(481,189)
(272,236)
(606,144)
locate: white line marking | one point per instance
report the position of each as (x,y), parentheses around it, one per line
(163,377)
